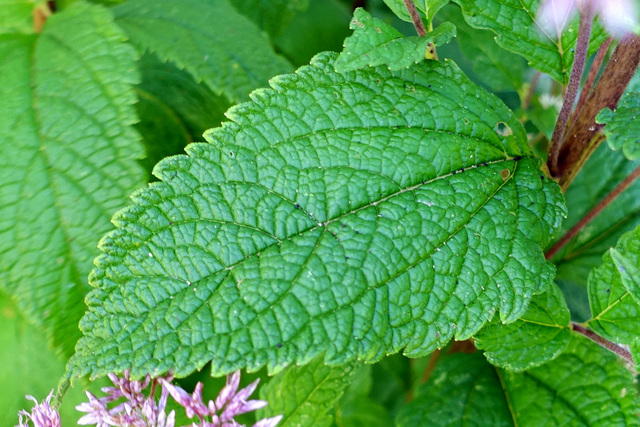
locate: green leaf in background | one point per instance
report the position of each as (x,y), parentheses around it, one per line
(30,367)
(197,107)
(514,22)
(429,8)
(584,252)
(305,394)
(272,16)
(613,292)
(622,126)
(16,16)
(209,39)
(537,337)
(324,219)
(500,69)
(356,407)
(463,390)
(376,43)
(323,26)
(69,159)
(585,386)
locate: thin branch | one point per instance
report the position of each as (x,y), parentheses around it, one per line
(582,46)
(415,17)
(595,211)
(603,342)
(433,361)
(532,88)
(592,75)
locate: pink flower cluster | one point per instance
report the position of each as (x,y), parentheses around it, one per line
(137,409)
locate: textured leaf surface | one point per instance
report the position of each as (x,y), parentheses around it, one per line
(429,8)
(537,337)
(209,39)
(585,386)
(304,394)
(495,66)
(272,16)
(68,159)
(463,390)
(614,291)
(514,22)
(376,43)
(622,126)
(584,252)
(16,16)
(355,214)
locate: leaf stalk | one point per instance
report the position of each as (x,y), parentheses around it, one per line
(603,342)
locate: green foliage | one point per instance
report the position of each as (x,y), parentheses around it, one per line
(614,294)
(369,229)
(465,390)
(297,260)
(517,30)
(376,43)
(622,127)
(68,159)
(304,394)
(209,39)
(535,338)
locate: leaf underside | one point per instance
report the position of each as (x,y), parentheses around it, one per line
(354,214)
(68,159)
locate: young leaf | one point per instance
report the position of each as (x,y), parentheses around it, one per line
(355,214)
(622,127)
(586,385)
(537,337)
(68,160)
(376,43)
(463,390)
(614,294)
(304,394)
(208,38)
(518,31)
(272,16)
(428,7)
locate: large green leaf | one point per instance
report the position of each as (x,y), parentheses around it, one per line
(614,291)
(463,390)
(519,31)
(273,16)
(538,336)
(584,386)
(68,159)
(303,395)
(376,43)
(208,38)
(356,214)
(622,127)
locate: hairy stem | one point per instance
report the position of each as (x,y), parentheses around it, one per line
(582,46)
(611,346)
(593,74)
(415,17)
(593,212)
(584,133)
